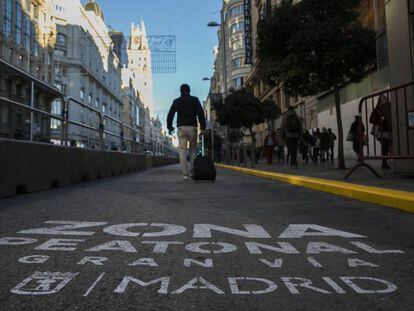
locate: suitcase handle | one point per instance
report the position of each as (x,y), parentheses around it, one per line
(202,145)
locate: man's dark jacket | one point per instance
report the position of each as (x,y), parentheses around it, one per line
(188,109)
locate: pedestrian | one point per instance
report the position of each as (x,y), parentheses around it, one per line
(332,139)
(306,143)
(316,145)
(356,135)
(324,144)
(269,145)
(280,148)
(291,130)
(381,129)
(188,109)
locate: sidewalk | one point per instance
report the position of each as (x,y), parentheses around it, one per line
(329,171)
(396,192)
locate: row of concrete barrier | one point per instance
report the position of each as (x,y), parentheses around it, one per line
(30,167)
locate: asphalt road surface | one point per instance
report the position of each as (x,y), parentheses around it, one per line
(150,241)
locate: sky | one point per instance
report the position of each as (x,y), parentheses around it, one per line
(187,20)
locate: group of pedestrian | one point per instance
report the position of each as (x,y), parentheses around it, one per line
(380,119)
(315,146)
(319,145)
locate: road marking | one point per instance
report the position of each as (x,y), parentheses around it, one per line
(94,284)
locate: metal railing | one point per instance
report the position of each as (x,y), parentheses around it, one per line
(382,129)
(100,128)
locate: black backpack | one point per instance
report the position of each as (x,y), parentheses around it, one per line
(292,123)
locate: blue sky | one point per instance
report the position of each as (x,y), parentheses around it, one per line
(187,20)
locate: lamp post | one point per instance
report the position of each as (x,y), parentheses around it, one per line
(223,49)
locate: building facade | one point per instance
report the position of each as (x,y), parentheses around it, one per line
(232,45)
(24,28)
(139,63)
(75,57)
(86,69)
(24,52)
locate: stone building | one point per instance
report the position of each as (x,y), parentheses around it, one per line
(139,63)
(232,44)
(86,69)
(25,57)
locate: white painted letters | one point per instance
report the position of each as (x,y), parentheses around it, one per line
(64,226)
(300,231)
(252,231)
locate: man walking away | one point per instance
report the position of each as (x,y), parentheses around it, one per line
(332,138)
(188,109)
(292,130)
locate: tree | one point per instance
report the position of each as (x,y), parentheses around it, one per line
(241,109)
(315,46)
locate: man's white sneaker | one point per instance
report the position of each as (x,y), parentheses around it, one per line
(185,177)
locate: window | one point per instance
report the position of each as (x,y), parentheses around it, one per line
(238,83)
(236,11)
(90,99)
(82,93)
(28,33)
(27,6)
(58,72)
(36,48)
(62,87)
(237,62)
(7,20)
(35,45)
(137,120)
(18,23)
(237,27)
(59,53)
(61,39)
(56,110)
(35,12)
(56,107)
(237,44)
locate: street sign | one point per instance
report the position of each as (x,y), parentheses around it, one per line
(248,42)
(163,53)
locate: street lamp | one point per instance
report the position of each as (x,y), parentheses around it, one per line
(213,24)
(224,52)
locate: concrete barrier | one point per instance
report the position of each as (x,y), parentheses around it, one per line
(30,167)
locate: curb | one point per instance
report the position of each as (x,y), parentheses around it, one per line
(381,196)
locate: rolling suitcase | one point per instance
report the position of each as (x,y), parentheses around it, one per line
(203,168)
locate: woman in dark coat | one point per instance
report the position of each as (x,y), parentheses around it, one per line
(381,126)
(357,136)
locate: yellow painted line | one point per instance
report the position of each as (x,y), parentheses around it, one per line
(403,200)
